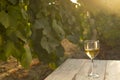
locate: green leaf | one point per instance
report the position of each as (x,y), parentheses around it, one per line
(20,36)
(52,65)
(60,51)
(28,31)
(15,16)
(9,48)
(38,25)
(50,44)
(4,19)
(13,1)
(41,23)
(26,57)
(45,44)
(58,29)
(24,14)
(26,2)
(74,38)
(1,40)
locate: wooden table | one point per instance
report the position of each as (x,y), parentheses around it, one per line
(78,69)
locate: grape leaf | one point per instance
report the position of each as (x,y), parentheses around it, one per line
(21,36)
(26,57)
(50,44)
(9,48)
(13,1)
(4,19)
(58,29)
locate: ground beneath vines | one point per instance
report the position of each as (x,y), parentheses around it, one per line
(11,70)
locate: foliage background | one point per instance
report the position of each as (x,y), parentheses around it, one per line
(30,28)
(15,31)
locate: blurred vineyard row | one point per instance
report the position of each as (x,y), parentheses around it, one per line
(36,28)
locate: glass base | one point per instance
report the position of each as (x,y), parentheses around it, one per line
(93,75)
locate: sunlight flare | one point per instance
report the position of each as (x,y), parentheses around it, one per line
(108,6)
(74,1)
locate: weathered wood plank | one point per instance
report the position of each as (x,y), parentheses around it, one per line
(113,70)
(67,70)
(99,68)
(78,69)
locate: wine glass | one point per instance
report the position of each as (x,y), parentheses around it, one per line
(92,48)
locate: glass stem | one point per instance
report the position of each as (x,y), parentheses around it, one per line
(92,71)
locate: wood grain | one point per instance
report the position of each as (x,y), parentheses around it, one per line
(67,70)
(83,74)
(78,69)
(112,70)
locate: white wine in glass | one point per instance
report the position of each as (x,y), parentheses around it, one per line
(92,49)
(92,53)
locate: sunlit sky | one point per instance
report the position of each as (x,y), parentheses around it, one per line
(112,6)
